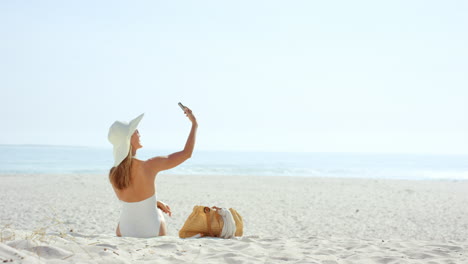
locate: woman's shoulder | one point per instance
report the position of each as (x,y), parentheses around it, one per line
(146,167)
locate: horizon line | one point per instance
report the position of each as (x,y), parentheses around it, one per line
(246,151)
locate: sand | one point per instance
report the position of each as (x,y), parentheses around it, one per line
(72,219)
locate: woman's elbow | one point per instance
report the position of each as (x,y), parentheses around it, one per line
(188,156)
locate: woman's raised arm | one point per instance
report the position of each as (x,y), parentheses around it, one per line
(157,164)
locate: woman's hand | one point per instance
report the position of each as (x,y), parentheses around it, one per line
(190,115)
(165,208)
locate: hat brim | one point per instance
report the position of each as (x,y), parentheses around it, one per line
(121,151)
(134,124)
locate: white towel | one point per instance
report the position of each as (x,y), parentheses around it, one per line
(229,228)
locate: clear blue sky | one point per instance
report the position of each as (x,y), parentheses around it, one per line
(351,76)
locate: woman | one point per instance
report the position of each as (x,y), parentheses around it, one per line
(133,180)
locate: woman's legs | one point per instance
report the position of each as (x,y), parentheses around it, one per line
(117,231)
(162,227)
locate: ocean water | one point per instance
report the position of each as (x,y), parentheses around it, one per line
(30,159)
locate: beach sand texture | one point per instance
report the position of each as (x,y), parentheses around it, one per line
(72,219)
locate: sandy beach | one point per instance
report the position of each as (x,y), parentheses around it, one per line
(72,219)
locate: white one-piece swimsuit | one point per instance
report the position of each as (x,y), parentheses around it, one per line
(140,219)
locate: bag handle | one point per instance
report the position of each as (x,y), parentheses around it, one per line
(208,220)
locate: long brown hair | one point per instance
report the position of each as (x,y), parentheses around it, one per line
(120,176)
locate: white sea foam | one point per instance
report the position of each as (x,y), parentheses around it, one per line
(64,159)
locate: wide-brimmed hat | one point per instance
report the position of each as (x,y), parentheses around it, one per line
(120,134)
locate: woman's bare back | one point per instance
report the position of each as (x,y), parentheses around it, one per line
(142,184)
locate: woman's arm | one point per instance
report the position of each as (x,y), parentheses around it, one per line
(164,207)
(157,164)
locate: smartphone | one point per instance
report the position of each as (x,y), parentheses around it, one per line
(181,106)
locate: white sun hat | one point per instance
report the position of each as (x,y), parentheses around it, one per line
(120,134)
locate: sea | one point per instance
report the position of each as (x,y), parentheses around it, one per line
(45,159)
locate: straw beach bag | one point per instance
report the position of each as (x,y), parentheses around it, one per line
(208,222)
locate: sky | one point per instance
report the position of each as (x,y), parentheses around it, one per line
(307,76)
